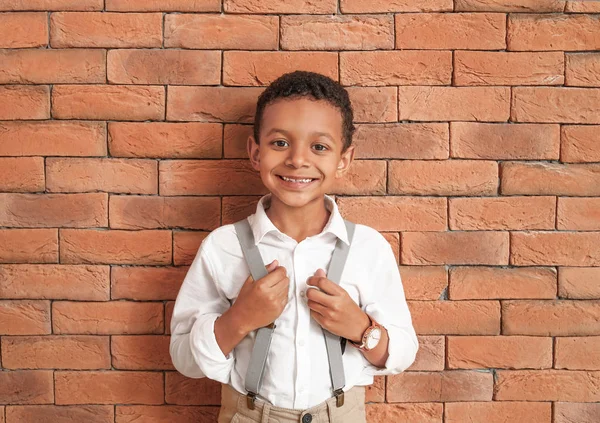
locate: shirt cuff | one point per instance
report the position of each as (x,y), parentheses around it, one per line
(206,350)
(402,350)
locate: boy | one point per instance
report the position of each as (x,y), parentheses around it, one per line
(302,147)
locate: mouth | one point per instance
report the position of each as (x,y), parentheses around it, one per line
(296,181)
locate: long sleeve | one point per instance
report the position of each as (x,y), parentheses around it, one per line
(387,304)
(194,349)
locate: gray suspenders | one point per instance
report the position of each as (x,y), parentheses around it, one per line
(258,357)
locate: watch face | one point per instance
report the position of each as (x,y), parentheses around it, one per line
(373,338)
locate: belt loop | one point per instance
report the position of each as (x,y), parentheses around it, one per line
(265,413)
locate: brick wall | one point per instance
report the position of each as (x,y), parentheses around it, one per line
(122,130)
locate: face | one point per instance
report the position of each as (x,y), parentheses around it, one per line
(300,154)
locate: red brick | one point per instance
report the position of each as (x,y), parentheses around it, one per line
(560,32)
(23,29)
(21,102)
(402,141)
(502,352)
(133,176)
(105,29)
(481,247)
(206,31)
(169,306)
(24,317)
(26,387)
(379,6)
(456,317)
(396,68)
(396,213)
(161,67)
(238,208)
(473,283)
(235,138)
(182,390)
(22,174)
(454,103)
(583,70)
(579,282)
(464,31)
(431,354)
(209,177)
(363,178)
(580,412)
(498,412)
(73,413)
(404,412)
(28,245)
(108,102)
(550,179)
(52,66)
(260,68)
(508,213)
(582,6)
(146,283)
(185,246)
(547,385)
(578,353)
(49,5)
(503,141)
(579,143)
(51,210)
(450,386)
(165,140)
(109,387)
(555,104)
(145,352)
(85,283)
(555,248)
(424,282)
(107,318)
(275,6)
(152,212)
(164,5)
(503,68)
(448,177)
(115,247)
(56,352)
(336,32)
(551,318)
(212,104)
(525,6)
(376,391)
(393,238)
(374,104)
(52,138)
(170,412)
(581,214)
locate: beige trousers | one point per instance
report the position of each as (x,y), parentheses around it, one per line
(235,410)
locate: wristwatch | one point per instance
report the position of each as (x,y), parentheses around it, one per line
(371,336)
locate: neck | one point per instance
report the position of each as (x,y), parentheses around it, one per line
(298,223)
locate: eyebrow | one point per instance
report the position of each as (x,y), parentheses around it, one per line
(286,133)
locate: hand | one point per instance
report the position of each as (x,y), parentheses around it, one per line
(260,303)
(334,309)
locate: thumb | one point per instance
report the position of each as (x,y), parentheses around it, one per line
(272,266)
(321,273)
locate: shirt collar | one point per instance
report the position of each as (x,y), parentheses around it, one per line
(261,224)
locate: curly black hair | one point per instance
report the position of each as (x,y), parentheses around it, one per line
(312,85)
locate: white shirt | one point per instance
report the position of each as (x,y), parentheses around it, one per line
(297,370)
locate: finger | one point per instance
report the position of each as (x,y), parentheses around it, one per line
(325,285)
(274,277)
(321,273)
(317,307)
(322,298)
(272,266)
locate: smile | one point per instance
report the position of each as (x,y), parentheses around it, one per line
(296,180)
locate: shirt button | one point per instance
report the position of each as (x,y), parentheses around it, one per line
(307,418)
(302,294)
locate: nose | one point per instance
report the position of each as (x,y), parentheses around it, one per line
(297,157)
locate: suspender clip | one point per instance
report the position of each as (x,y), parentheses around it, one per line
(250,398)
(339,397)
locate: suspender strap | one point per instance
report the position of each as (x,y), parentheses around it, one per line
(258,358)
(332,342)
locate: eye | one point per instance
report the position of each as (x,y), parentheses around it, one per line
(280,143)
(320,147)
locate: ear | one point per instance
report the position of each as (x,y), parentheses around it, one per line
(345,161)
(253,150)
